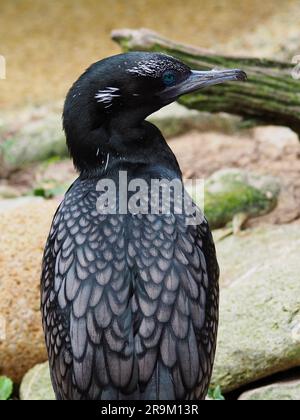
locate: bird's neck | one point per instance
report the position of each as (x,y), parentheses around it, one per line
(118,145)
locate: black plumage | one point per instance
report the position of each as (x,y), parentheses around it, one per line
(129,301)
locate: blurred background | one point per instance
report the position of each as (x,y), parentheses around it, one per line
(251,172)
(48,44)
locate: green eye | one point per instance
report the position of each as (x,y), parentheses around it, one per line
(169,78)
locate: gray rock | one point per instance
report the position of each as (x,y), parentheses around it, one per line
(281,391)
(276,139)
(36,384)
(259,331)
(36,139)
(176,119)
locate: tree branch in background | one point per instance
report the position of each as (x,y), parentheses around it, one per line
(271,95)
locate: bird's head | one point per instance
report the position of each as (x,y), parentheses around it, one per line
(121,91)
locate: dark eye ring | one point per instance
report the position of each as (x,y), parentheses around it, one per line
(169,78)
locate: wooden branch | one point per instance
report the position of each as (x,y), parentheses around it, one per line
(271,95)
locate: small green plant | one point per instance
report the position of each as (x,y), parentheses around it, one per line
(50,189)
(6,388)
(216,394)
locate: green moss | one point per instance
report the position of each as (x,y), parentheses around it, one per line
(49,189)
(220,208)
(232,192)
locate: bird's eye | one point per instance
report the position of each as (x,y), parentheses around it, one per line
(169,78)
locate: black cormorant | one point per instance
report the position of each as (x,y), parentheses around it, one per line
(129,300)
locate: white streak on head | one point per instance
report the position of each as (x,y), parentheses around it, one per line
(107,96)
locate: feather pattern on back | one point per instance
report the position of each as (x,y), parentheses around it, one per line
(129,303)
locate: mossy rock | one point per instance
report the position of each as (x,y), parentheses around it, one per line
(233,191)
(35,141)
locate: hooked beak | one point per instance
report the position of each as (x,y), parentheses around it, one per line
(201,79)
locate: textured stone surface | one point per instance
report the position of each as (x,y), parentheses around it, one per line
(176,119)
(278,139)
(24,227)
(36,384)
(259,331)
(281,391)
